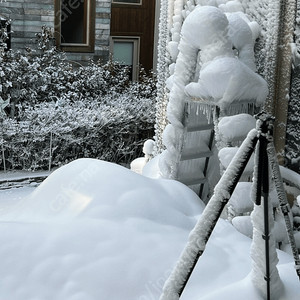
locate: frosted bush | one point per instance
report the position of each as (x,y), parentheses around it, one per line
(58,113)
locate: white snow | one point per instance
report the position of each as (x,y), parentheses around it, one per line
(235,128)
(232,6)
(227,80)
(94,230)
(241,198)
(139,163)
(224,78)
(226,155)
(290,176)
(243,224)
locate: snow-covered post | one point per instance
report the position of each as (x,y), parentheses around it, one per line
(50,151)
(280,36)
(170,23)
(184,71)
(272,40)
(199,236)
(3,104)
(264,273)
(161,98)
(2,147)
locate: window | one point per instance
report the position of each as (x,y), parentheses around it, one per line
(75,25)
(125,51)
(6,28)
(127,1)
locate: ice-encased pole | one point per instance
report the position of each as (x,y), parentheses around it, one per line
(284,205)
(263,190)
(199,236)
(161,98)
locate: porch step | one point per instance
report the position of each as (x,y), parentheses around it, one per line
(200,127)
(196,150)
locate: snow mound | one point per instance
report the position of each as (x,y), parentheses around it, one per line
(101,190)
(92,231)
(116,235)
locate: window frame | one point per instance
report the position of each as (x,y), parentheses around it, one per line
(89,46)
(126,3)
(136,52)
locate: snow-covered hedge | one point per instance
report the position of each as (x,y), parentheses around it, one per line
(57,112)
(53,133)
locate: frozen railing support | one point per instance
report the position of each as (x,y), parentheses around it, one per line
(198,238)
(283,202)
(265,160)
(261,190)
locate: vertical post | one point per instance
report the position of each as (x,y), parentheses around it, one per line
(3,158)
(263,188)
(263,243)
(284,205)
(280,69)
(2,144)
(50,151)
(265,194)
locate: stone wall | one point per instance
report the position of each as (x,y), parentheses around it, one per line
(28,16)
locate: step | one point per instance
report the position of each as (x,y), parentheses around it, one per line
(200,127)
(193,180)
(194,153)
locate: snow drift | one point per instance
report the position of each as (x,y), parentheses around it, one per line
(96,231)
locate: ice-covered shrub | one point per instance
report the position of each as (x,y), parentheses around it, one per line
(58,112)
(58,132)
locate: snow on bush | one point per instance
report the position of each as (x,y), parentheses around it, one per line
(57,132)
(58,113)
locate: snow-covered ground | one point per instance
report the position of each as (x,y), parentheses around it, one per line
(95,230)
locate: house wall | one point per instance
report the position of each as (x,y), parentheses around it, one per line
(136,21)
(30,15)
